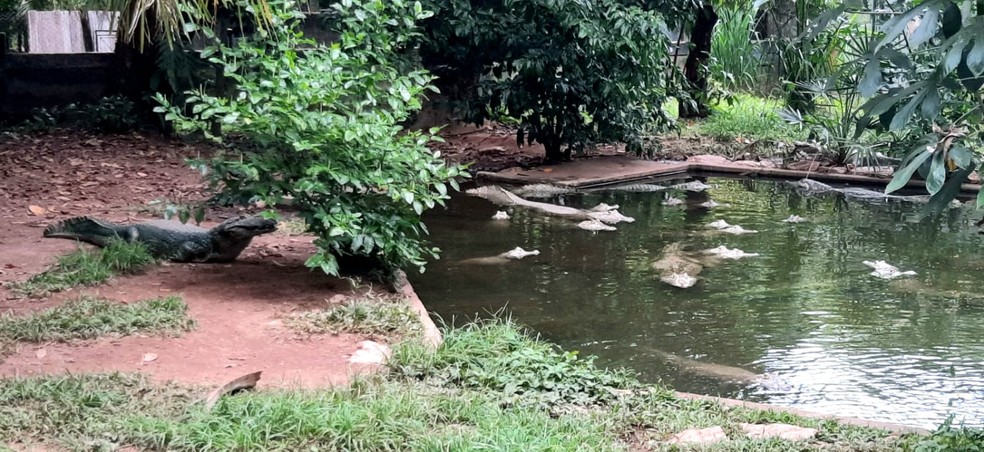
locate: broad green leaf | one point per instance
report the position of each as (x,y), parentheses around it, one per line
(961,156)
(902,117)
(872,78)
(955,55)
(940,201)
(937,173)
(975,58)
(896,25)
(926,29)
(903,175)
(931,104)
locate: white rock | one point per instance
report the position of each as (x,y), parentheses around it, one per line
(671,201)
(370,352)
(794,219)
(500,215)
(594,225)
(784,431)
(699,436)
(719,224)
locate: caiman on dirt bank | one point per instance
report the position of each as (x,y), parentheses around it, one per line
(169,239)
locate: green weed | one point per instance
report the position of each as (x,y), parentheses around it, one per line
(371,417)
(369,315)
(88,317)
(949,438)
(749,117)
(83,267)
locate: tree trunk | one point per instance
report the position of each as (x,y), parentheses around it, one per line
(694,70)
(552,146)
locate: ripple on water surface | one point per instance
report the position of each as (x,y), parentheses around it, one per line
(830,337)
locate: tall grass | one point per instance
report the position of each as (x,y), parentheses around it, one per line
(736,59)
(749,117)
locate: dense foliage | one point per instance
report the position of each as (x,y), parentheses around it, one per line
(317,126)
(925,71)
(572,73)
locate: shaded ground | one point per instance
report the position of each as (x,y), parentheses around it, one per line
(48,178)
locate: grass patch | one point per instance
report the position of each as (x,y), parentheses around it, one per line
(748,117)
(88,318)
(369,315)
(371,417)
(461,397)
(83,267)
(83,412)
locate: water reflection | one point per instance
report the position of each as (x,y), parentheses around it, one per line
(806,310)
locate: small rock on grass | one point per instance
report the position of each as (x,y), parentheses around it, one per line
(370,352)
(784,431)
(699,436)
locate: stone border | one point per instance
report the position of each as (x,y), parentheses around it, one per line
(895,428)
(647,169)
(432,335)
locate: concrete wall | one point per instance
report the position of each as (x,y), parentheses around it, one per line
(29,81)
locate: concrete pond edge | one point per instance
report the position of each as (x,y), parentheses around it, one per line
(665,169)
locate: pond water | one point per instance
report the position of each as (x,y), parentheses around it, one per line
(806,313)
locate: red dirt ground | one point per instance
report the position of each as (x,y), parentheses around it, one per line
(236,305)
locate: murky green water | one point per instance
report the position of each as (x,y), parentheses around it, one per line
(830,337)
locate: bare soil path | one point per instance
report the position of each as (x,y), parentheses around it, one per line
(237,306)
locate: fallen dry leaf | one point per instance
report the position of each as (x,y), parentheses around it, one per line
(37,210)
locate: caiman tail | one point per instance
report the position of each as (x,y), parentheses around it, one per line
(83,229)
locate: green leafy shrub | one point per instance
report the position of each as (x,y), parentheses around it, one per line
(923,75)
(319,125)
(113,114)
(573,73)
(947,438)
